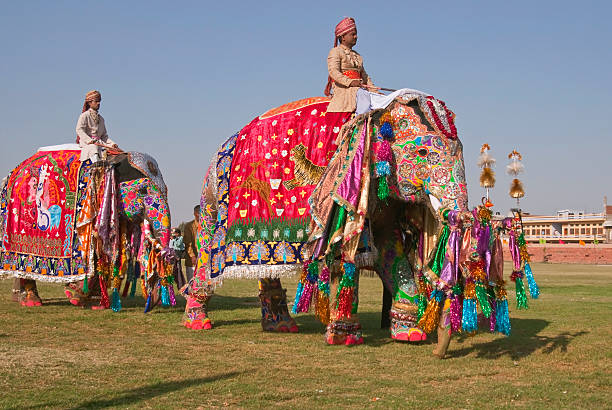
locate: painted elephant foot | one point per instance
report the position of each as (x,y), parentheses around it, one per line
(195,316)
(280,324)
(413,334)
(404,323)
(344,333)
(75,295)
(275,315)
(30,296)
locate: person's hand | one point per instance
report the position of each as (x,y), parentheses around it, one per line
(355,83)
(372,88)
(114,146)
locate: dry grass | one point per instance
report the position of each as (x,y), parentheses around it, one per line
(63,357)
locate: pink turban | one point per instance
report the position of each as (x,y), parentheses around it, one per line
(345,26)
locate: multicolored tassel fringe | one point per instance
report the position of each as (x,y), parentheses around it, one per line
(431,317)
(521,296)
(534,290)
(346,291)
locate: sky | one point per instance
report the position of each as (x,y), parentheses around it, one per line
(178,78)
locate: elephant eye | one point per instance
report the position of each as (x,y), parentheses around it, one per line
(142,190)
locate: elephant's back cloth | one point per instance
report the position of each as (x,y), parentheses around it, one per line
(263,177)
(39,205)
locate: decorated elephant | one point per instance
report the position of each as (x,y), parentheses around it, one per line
(326,194)
(87,226)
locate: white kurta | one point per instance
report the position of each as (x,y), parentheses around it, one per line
(91,132)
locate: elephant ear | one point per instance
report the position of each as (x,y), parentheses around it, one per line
(148,166)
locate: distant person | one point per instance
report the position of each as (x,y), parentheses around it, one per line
(189,238)
(91,130)
(176,244)
(345,66)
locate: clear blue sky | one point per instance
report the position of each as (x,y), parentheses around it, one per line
(177,78)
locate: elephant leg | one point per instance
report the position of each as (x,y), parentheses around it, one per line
(30,297)
(343,329)
(444,332)
(275,315)
(196,310)
(18,290)
(404,326)
(74,293)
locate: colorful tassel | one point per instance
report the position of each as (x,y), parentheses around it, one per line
(85,287)
(483,300)
(383,189)
(104,293)
(438,260)
(165,297)
(421,306)
(346,290)
(502,317)
(431,316)
(116,300)
(521,296)
(171,294)
(534,290)
(469,321)
(456,313)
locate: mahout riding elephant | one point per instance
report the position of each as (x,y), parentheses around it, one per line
(87,226)
(327,194)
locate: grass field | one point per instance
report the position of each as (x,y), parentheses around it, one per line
(559,355)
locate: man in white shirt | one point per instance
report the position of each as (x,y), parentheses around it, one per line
(91,131)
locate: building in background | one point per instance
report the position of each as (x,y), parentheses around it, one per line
(570,226)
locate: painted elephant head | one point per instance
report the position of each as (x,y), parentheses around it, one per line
(144,195)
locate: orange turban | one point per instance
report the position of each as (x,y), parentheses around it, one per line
(93,95)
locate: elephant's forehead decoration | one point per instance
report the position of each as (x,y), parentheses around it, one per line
(427,152)
(148,166)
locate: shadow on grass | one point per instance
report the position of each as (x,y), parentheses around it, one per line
(134,396)
(522,342)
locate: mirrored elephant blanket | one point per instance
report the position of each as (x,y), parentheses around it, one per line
(263,177)
(38,208)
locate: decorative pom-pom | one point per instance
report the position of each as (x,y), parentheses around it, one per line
(383,168)
(387,117)
(516,189)
(487,178)
(384,151)
(386,131)
(534,290)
